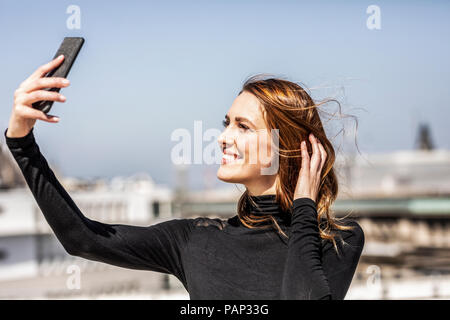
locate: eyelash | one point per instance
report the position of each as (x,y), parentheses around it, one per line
(225,124)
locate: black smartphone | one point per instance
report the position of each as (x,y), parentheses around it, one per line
(69,48)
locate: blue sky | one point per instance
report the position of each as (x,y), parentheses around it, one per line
(150,67)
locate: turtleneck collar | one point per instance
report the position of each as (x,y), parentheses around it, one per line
(267,205)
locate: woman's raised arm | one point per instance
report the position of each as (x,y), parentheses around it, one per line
(157,247)
(312,271)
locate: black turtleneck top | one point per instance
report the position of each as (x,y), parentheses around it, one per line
(213,258)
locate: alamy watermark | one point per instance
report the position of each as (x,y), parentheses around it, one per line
(74,20)
(373,21)
(73,281)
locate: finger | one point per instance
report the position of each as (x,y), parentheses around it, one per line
(323,155)
(31,113)
(41,83)
(305,158)
(323,152)
(42,70)
(315,159)
(41,95)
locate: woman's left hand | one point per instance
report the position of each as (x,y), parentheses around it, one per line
(310,173)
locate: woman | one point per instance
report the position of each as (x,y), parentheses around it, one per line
(283,243)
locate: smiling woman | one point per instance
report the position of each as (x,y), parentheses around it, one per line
(262,108)
(242,257)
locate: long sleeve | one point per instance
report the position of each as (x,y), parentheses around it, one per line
(156,248)
(313,271)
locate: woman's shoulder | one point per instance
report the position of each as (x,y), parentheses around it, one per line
(353,236)
(356,232)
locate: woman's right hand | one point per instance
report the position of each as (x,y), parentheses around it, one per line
(24,116)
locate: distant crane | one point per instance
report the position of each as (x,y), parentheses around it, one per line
(423,140)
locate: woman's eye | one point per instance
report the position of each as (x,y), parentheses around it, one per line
(243,126)
(225,124)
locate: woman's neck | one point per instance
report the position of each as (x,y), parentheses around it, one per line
(262,187)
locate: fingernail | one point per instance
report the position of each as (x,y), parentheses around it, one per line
(65,81)
(56,118)
(60,56)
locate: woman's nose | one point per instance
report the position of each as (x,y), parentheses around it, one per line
(225,139)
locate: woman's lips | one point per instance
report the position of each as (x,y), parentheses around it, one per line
(230,158)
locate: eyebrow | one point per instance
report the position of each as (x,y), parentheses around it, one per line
(240,119)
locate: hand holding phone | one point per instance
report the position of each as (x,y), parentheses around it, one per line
(69,48)
(40,89)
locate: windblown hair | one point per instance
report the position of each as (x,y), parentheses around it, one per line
(290,109)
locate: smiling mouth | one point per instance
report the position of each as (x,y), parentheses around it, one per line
(229,158)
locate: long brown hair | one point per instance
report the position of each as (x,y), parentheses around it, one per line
(290,109)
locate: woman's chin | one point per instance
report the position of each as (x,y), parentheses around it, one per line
(228,174)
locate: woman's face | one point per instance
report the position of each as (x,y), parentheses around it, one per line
(246,145)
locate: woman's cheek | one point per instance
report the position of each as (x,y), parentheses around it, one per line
(248,146)
(264,150)
(265,155)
